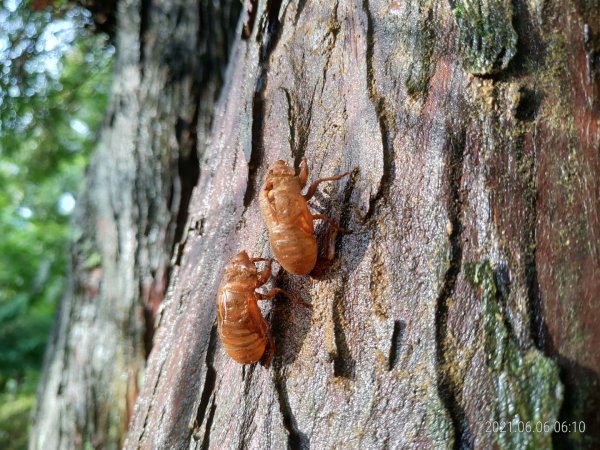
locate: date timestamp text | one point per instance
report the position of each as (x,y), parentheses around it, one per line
(520,426)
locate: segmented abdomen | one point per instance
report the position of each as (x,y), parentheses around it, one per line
(242,328)
(291,231)
(295,249)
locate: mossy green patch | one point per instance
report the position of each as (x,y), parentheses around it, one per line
(526,385)
(486,35)
(439,424)
(420,67)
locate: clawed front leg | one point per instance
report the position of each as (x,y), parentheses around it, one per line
(334,225)
(313,187)
(263,276)
(273,292)
(326,246)
(303,175)
(271,199)
(269,350)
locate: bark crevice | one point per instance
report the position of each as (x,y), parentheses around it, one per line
(385,120)
(258,104)
(145,12)
(299,120)
(258,117)
(188,165)
(208,389)
(297,440)
(446,386)
(537,326)
(343,362)
(291,118)
(209,421)
(334,29)
(147,415)
(299,9)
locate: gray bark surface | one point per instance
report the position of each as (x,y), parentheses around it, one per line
(468,292)
(169,68)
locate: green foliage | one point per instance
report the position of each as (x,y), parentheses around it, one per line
(16,402)
(54,81)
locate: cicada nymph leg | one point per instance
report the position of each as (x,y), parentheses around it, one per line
(326,245)
(303,175)
(263,276)
(267,356)
(315,184)
(333,224)
(271,199)
(273,292)
(270,349)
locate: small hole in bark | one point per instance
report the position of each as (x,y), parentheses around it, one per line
(343,363)
(399,327)
(528,106)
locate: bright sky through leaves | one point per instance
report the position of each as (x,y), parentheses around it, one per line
(54,85)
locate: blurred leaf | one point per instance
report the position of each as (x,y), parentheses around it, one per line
(54,87)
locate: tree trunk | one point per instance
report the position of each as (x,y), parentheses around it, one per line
(467,295)
(169,69)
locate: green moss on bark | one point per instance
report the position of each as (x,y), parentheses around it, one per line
(420,67)
(486,35)
(526,385)
(439,424)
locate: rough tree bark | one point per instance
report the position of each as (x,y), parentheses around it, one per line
(469,290)
(169,68)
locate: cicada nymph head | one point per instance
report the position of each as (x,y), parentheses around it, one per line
(241,266)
